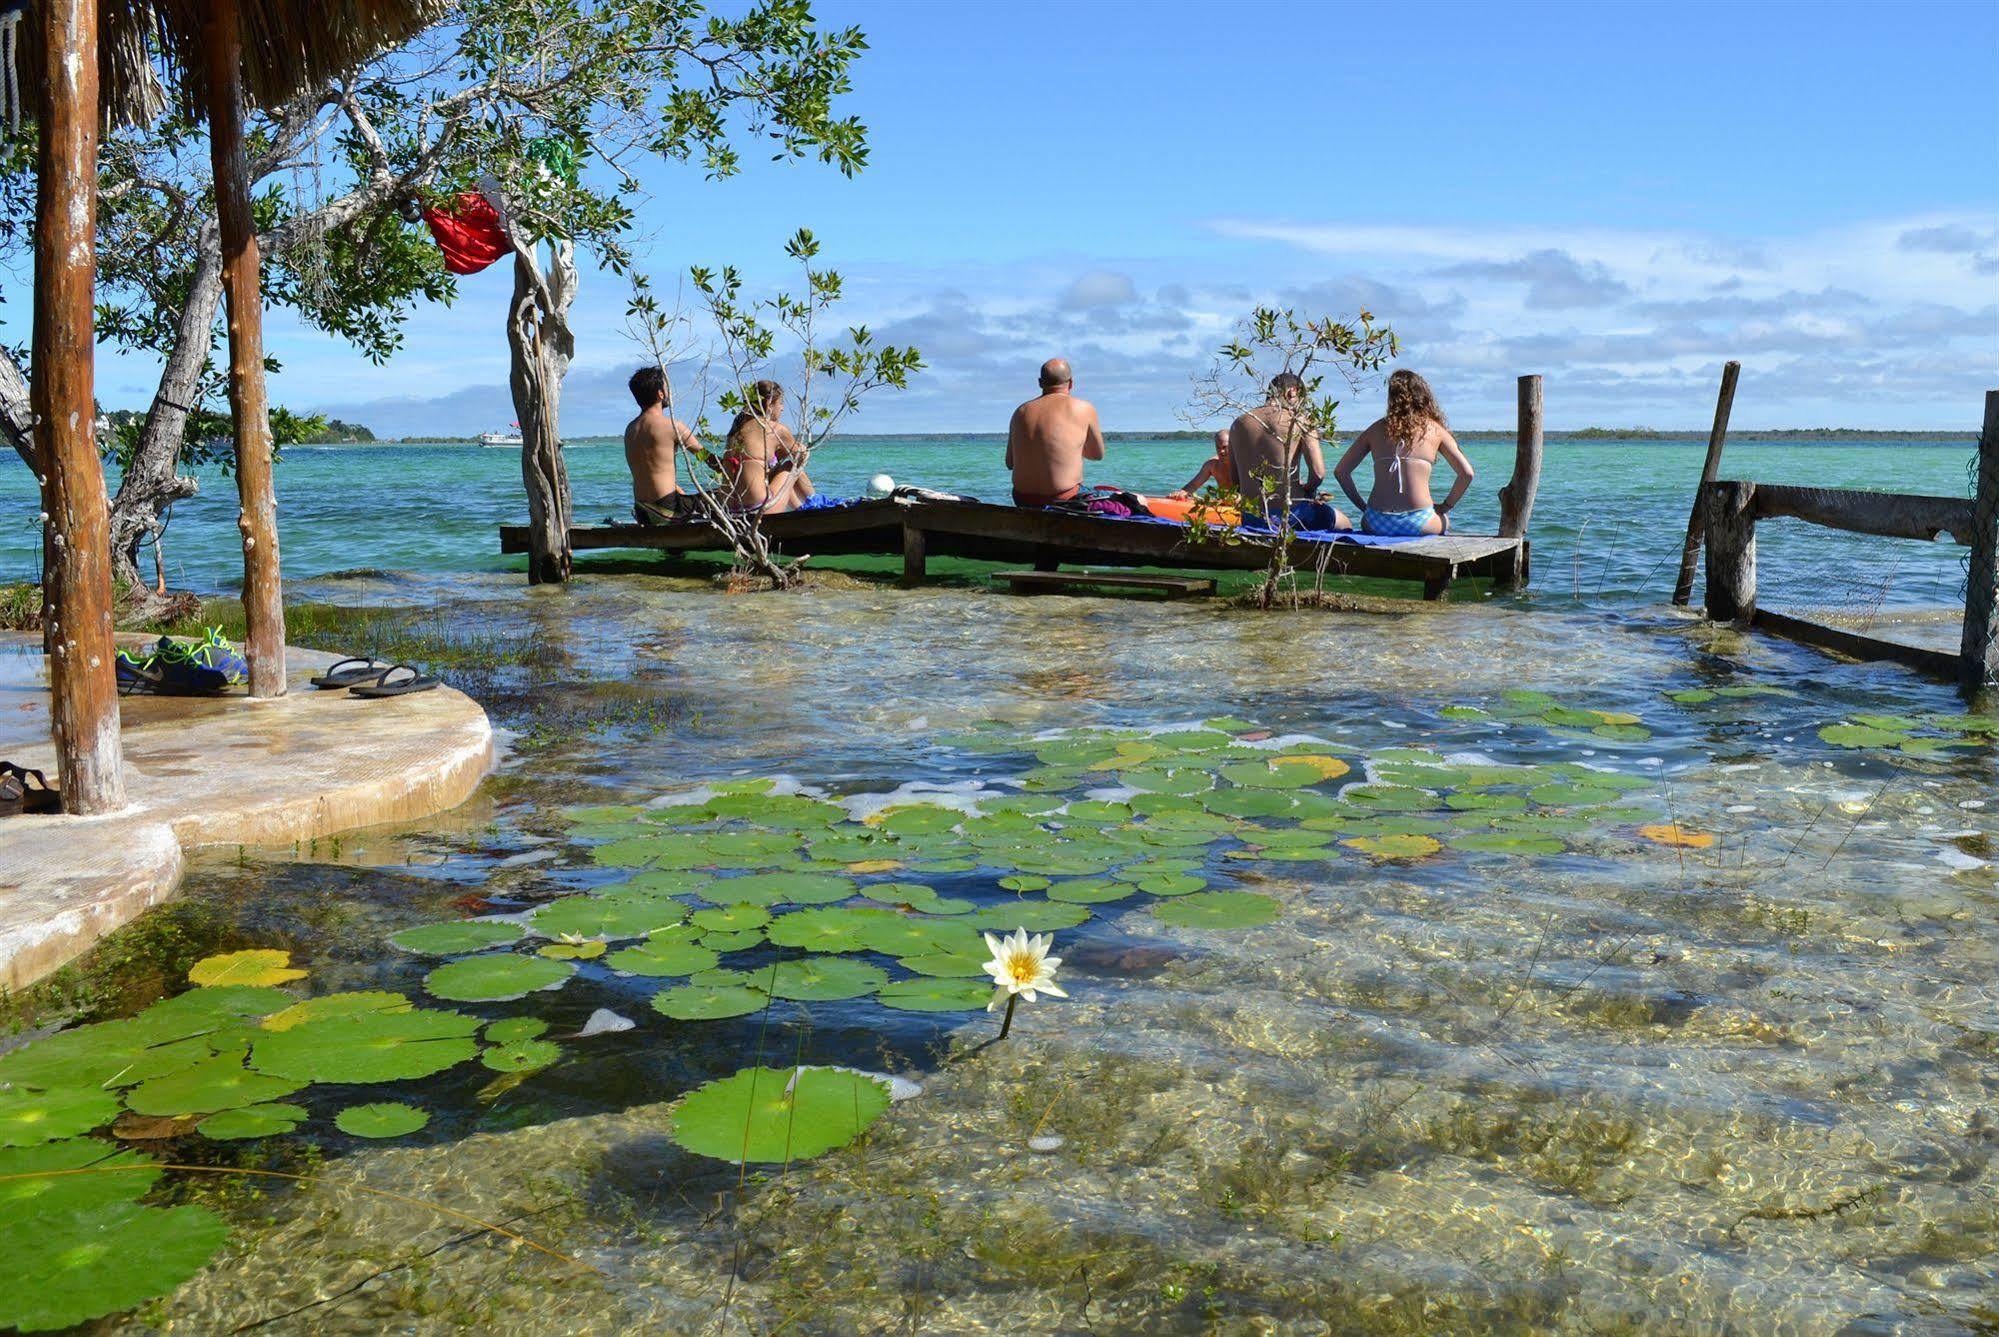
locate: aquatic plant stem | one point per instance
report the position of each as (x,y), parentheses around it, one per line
(1006,1024)
(438,1207)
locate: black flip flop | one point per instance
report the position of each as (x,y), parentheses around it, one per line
(341,675)
(415,682)
(26,791)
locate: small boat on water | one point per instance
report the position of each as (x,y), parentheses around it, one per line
(510,438)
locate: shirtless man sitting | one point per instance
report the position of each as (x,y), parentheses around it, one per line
(1406,443)
(653,442)
(1215,470)
(1266,446)
(1050,437)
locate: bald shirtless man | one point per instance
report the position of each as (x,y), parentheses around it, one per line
(1266,446)
(1050,437)
(652,442)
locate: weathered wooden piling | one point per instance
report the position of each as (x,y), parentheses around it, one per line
(1683,588)
(1729,519)
(1978,658)
(1516,498)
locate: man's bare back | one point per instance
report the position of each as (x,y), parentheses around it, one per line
(652,444)
(1049,438)
(1265,445)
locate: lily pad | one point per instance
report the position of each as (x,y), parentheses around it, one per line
(709,1002)
(1572,795)
(221,1083)
(672,952)
(1394,847)
(382,1119)
(31,1117)
(336,1005)
(497,978)
(778,1115)
(1861,735)
(256,967)
(766,889)
(1025,882)
(1173,884)
(945,965)
(631,915)
(251,1121)
(60,1269)
(731,942)
(572,951)
(40,1188)
(1217,910)
(931,994)
(825,979)
(507,1030)
(521,1055)
(730,918)
(831,928)
(1184,780)
(375,1047)
(1090,891)
(456,938)
(1034,916)
(1390,798)
(1502,842)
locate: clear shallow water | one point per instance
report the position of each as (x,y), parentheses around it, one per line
(1608,522)
(1625,1087)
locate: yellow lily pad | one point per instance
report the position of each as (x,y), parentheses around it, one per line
(1400,846)
(258,966)
(1677,836)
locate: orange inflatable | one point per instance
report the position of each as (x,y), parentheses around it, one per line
(1189,509)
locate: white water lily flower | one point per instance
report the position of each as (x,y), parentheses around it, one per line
(1021,965)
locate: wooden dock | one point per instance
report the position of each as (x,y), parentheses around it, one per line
(979,531)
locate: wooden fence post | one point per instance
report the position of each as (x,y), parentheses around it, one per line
(83,677)
(1683,588)
(913,554)
(1978,665)
(1516,499)
(263,592)
(1729,516)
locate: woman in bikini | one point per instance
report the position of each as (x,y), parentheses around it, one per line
(762,464)
(1405,444)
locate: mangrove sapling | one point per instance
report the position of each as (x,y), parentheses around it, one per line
(1271,343)
(831,379)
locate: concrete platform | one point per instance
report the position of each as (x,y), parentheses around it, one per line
(212,771)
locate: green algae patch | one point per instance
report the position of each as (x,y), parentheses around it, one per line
(773,1116)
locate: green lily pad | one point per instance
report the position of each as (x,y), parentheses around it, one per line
(825,979)
(336,1005)
(1185,780)
(1861,735)
(375,1047)
(670,952)
(1394,847)
(1390,798)
(60,1269)
(778,1115)
(40,1189)
(221,1083)
(831,928)
(456,938)
(521,1055)
(509,1029)
(1480,801)
(1034,916)
(31,1117)
(766,889)
(932,994)
(497,978)
(1572,795)
(730,918)
(1271,801)
(631,915)
(1173,884)
(709,1002)
(945,965)
(1090,891)
(1096,812)
(572,951)
(1217,910)
(920,819)
(386,1118)
(251,1121)
(1622,733)
(1463,713)
(207,1008)
(731,942)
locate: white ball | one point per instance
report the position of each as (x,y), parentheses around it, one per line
(881,485)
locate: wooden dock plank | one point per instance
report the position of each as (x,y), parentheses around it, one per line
(918,530)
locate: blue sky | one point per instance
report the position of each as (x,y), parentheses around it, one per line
(1617,196)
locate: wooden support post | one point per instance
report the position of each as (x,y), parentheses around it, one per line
(263,592)
(1516,499)
(913,554)
(83,678)
(1978,663)
(1683,588)
(1729,517)
(1437,589)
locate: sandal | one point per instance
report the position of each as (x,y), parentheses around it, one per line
(23,790)
(415,682)
(348,672)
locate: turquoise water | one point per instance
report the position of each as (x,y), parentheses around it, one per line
(1608,522)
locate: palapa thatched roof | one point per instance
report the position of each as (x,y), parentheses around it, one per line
(288,47)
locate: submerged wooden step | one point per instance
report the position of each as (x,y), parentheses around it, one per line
(1173,587)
